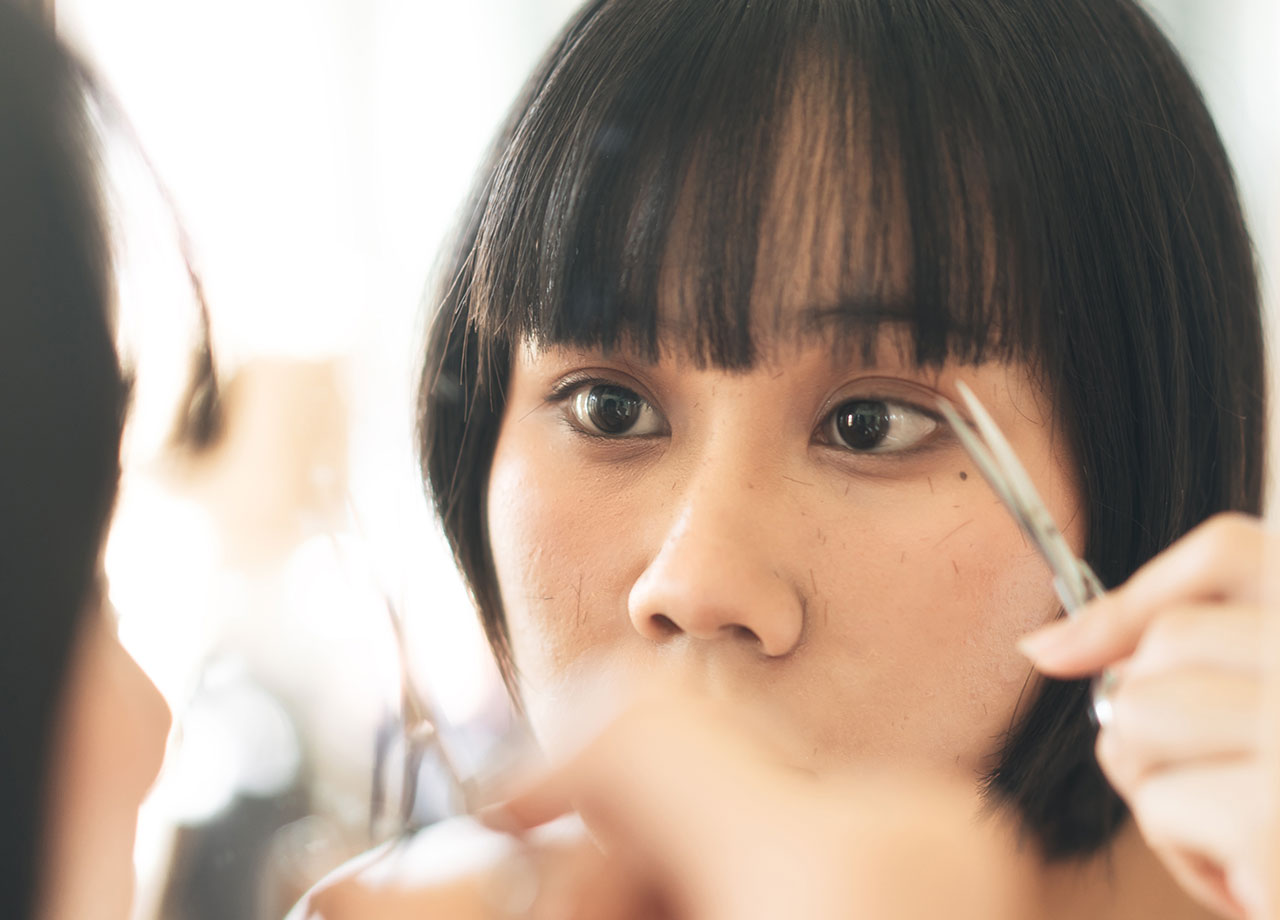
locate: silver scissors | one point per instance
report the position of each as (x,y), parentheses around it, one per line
(417,720)
(1073,579)
(419,733)
(516,884)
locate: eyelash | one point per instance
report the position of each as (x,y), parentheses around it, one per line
(565,390)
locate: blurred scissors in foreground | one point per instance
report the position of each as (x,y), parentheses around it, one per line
(1073,579)
(420,735)
(516,884)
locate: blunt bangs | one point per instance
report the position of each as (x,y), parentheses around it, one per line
(761,169)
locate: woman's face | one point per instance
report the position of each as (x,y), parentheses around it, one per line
(107,752)
(804,538)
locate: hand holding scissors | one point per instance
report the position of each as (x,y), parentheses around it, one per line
(1187,696)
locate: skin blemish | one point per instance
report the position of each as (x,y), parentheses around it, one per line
(954,566)
(964,475)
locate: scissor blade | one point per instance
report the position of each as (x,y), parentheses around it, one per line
(978,451)
(1021,497)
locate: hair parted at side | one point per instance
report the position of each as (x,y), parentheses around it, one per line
(1033,179)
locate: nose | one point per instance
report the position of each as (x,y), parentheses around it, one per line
(719,573)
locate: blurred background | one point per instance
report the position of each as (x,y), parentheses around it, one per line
(317,152)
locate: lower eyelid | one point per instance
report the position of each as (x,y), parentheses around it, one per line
(609,448)
(888,460)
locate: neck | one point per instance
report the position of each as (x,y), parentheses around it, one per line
(1124,882)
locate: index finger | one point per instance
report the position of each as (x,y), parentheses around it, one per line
(548,798)
(1222,560)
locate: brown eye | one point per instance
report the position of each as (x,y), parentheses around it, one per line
(613,411)
(879,426)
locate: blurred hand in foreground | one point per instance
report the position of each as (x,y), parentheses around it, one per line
(692,817)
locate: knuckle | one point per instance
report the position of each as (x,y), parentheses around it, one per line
(1234,527)
(1221,542)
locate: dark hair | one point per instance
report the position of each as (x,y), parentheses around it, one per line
(63,399)
(1036,180)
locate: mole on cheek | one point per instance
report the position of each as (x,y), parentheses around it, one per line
(964,475)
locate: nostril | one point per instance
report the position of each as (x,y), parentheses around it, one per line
(664,624)
(663,627)
(744,633)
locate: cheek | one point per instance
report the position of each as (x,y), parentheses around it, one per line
(924,623)
(949,559)
(559,553)
(998,590)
